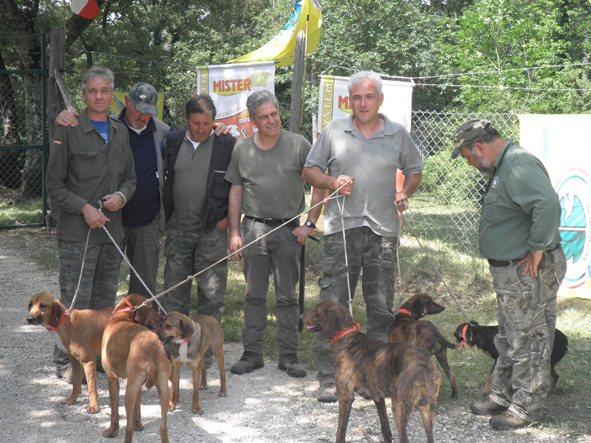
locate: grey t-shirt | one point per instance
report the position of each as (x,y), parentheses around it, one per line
(272,179)
(343,150)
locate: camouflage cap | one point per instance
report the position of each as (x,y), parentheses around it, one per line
(145,98)
(467,133)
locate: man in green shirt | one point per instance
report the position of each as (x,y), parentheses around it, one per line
(89,162)
(519,236)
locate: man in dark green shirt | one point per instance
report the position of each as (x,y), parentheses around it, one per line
(519,236)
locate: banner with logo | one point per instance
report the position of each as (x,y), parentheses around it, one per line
(118,103)
(229,86)
(306,15)
(334,101)
(562,142)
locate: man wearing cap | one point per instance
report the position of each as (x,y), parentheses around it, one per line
(89,162)
(519,236)
(360,156)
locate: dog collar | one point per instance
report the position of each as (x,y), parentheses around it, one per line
(129,307)
(60,323)
(464,329)
(405,312)
(342,333)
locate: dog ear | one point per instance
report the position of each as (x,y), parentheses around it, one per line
(140,316)
(57,312)
(417,310)
(187,327)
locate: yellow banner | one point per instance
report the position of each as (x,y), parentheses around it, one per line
(118,103)
(281,48)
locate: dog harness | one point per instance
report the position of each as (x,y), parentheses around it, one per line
(342,333)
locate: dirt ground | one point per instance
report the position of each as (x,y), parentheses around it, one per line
(264,406)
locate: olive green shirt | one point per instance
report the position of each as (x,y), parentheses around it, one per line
(82,169)
(521,211)
(190,182)
(272,179)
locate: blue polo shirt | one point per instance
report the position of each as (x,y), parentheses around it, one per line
(145,204)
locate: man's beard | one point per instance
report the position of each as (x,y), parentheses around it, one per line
(484,166)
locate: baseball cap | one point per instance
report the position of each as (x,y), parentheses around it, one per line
(467,133)
(145,98)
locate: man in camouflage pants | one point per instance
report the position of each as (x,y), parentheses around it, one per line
(519,237)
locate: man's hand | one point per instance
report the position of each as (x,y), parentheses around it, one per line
(401,202)
(67,118)
(532,261)
(220,128)
(113,202)
(93,217)
(235,245)
(302,233)
(347,184)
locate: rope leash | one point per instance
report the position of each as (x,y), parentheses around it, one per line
(191,277)
(341,205)
(68,313)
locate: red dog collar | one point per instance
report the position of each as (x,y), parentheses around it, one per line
(60,323)
(129,307)
(405,312)
(342,333)
(464,329)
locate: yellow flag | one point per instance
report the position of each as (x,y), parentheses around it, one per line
(281,48)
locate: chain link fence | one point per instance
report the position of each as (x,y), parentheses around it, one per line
(443,217)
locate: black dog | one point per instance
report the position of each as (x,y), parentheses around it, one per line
(483,337)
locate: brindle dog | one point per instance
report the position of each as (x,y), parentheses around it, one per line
(423,334)
(376,370)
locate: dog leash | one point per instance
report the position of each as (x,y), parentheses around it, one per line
(191,277)
(100,209)
(406,220)
(341,199)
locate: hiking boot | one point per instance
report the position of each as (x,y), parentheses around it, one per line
(327,393)
(507,421)
(247,363)
(486,407)
(65,372)
(291,364)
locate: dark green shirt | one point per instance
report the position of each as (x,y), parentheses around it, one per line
(521,211)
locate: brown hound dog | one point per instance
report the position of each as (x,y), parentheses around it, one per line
(191,338)
(79,336)
(423,334)
(131,351)
(376,370)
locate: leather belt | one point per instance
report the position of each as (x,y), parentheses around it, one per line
(502,264)
(271,221)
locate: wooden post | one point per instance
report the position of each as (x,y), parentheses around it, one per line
(297,87)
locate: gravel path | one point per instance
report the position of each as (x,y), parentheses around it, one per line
(265,406)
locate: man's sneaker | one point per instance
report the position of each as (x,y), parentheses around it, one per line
(65,372)
(486,407)
(507,421)
(291,364)
(327,393)
(247,363)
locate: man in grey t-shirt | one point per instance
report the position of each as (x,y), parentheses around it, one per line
(361,155)
(267,188)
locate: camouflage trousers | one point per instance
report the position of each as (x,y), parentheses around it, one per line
(376,256)
(99,282)
(188,253)
(527,319)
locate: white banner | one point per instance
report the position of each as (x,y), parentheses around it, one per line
(229,86)
(334,101)
(563,143)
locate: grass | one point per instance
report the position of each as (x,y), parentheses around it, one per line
(436,266)
(15,212)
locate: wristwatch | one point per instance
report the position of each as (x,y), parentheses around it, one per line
(309,224)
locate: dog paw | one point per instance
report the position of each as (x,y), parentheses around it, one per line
(222,393)
(70,401)
(138,426)
(111,432)
(93,409)
(171,406)
(198,411)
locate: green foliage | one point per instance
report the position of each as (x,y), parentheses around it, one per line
(505,37)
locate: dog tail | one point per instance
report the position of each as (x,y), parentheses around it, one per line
(152,377)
